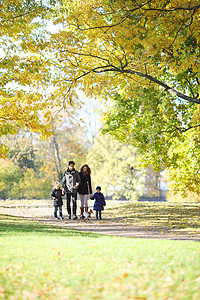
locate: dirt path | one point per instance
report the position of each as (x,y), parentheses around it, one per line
(109,225)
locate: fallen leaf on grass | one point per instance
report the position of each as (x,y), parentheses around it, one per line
(122,277)
(42,293)
(3,292)
(125,275)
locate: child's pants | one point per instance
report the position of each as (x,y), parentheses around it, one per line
(98,211)
(56,209)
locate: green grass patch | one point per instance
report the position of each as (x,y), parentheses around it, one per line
(46,262)
(165,216)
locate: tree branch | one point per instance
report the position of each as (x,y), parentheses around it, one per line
(151,78)
(180,129)
(120,22)
(173,9)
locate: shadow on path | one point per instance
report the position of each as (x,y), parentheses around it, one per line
(109,225)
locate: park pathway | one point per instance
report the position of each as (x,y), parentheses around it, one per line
(108,225)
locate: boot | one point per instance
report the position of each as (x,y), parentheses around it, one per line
(82,210)
(86,210)
(55,213)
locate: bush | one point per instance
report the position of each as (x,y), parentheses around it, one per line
(26,184)
(10,176)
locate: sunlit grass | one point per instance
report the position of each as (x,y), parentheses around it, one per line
(155,215)
(46,262)
(164,217)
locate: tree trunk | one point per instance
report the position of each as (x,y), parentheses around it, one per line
(57,157)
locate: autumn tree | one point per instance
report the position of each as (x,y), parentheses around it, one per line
(22,84)
(165,132)
(23,158)
(41,163)
(10,175)
(107,44)
(110,48)
(145,56)
(100,46)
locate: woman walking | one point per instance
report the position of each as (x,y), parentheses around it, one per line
(85,188)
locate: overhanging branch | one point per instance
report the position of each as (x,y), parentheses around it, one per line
(151,78)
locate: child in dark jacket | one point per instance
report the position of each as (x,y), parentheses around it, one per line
(99,202)
(57,194)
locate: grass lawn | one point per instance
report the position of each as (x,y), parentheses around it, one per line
(45,262)
(164,217)
(161,216)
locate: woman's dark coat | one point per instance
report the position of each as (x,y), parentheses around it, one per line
(99,201)
(85,186)
(57,194)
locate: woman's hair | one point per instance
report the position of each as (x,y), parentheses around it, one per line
(88,169)
(55,184)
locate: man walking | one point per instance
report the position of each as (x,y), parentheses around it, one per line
(71,181)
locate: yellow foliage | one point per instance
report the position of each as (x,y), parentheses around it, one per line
(98,46)
(101,41)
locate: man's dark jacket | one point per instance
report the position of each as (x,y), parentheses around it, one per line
(70,179)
